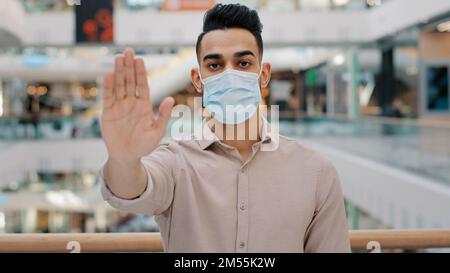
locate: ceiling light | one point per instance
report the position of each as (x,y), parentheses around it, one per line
(443,27)
(373,2)
(340,2)
(338,60)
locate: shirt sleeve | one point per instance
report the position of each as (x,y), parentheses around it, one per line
(158,196)
(328,231)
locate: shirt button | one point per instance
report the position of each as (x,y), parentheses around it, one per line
(242,207)
(242,245)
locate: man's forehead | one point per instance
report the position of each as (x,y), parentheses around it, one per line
(228,42)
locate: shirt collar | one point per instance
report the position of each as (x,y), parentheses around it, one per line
(209,137)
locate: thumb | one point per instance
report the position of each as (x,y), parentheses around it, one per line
(164,112)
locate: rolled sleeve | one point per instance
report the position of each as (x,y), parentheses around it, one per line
(158,196)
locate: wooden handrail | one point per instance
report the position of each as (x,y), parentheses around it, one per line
(401,238)
(84,242)
(151,242)
(434,123)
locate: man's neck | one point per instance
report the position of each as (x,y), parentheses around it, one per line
(234,136)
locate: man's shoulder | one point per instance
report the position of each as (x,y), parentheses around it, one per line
(297,149)
(311,159)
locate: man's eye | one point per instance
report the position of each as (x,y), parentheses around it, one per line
(244,64)
(213,66)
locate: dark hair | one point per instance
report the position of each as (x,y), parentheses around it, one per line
(232,16)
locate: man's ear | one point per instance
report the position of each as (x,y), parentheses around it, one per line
(195,78)
(265,74)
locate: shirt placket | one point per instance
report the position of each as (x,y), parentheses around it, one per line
(243,204)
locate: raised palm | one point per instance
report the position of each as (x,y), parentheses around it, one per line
(129,128)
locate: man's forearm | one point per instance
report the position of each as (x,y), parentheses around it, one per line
(126,180)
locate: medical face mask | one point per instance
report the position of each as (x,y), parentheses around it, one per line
(232,96)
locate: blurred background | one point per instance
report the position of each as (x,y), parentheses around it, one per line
(366,82)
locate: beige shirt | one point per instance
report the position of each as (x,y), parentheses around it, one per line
(206,199)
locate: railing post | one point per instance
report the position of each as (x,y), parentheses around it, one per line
(353,215)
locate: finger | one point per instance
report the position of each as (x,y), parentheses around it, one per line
(130,82)
(119,77)
(108,90)
(164,113)
(141,79)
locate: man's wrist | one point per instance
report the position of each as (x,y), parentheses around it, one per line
(118,171)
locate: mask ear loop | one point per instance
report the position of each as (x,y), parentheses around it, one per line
(259,76)
(200,75)
(203,87)
(260,71)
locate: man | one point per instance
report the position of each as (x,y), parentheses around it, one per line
(218,194)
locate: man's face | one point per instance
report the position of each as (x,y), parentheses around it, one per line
(233,48)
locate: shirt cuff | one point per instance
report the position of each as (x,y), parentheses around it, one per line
(118,202)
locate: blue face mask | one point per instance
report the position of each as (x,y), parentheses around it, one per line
(232,96)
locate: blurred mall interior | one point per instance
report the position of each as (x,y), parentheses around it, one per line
(366,82)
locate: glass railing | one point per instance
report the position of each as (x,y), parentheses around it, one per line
(41,182)
(405,144)
(13,129)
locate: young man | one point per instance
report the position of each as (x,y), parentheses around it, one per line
(218,194)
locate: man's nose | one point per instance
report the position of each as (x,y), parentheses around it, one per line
(229,66)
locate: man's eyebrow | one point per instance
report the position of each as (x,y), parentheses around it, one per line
(213,56)
(243,53)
